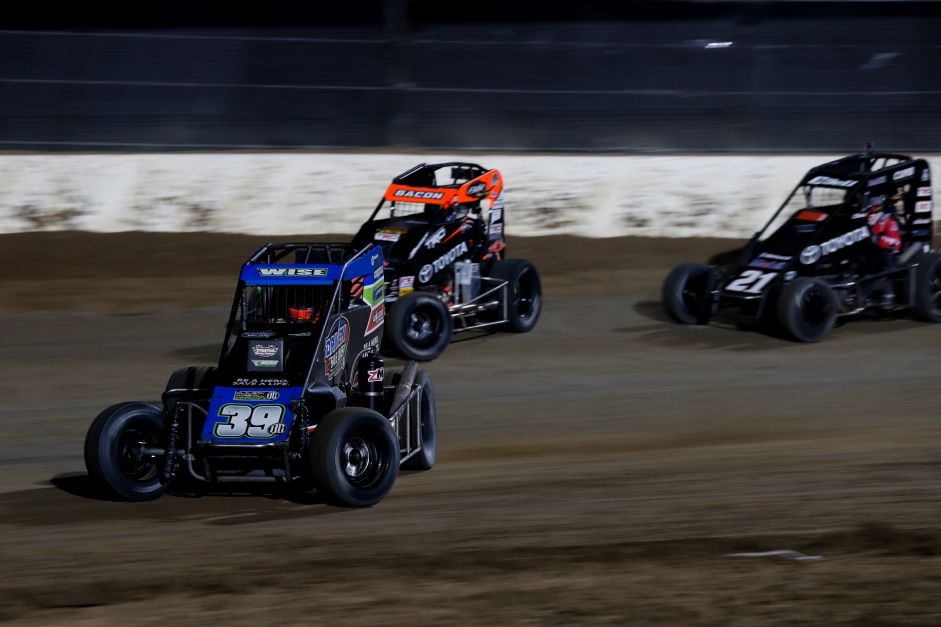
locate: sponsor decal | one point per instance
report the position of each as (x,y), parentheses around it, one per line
(265,350)
(921,232)
(376,318)
(255,395)
(497,246)
(495,215)
(495,179)
(442,262)
(382,236)
(266,383)
(922,221)
(374,259)
(810,254)
(860,214)
(770,261)
(925,175)
(495,229)
(477,189)
(498,203)
(923,206)
(832,182)
(414,193)
(258,334)
(813,253)
(924,191)
(876,181)
(292,271)
(375,376)
(378,273)
(264,355)
(435,239)
(812,216)
(371,343)
(303,334)
(335,346)
(406,285)
(904,174)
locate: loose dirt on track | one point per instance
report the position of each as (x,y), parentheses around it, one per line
(600,469)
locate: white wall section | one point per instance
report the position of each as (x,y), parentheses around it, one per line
(300,193)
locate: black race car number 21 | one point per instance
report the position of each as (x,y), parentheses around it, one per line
(751,281)
(246,421)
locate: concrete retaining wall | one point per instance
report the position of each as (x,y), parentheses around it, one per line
(284,194)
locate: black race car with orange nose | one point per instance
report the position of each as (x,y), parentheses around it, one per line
(853,237)
(441,229)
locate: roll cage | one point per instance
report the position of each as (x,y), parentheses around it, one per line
(323,266)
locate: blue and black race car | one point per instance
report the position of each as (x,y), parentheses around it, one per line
(298,397)
(854,236)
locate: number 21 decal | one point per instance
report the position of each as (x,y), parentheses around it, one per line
(260,421)
(751,281)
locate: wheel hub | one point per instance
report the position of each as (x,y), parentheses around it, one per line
(356,458)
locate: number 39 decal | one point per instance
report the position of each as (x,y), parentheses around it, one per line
(751,281)
(260,421)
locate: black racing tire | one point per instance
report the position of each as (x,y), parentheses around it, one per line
(927,306)
(354,457)
(112,454)
(419,326)
(524,294)
(807,309)
(424,459)
(686,293)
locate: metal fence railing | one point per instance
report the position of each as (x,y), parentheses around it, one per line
(800,84)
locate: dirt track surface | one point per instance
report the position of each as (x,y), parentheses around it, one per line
(597,470)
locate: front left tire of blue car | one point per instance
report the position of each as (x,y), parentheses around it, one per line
(115,451)
(354,457)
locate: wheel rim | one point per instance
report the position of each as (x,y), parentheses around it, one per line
(815,306)
(422,327)
(526,303)
(363,463)
(133,463)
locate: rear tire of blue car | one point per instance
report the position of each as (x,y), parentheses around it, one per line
(113,451)
(686,293)
(419,326)
(354,457)
(424,459)
(807,309)
(927,305)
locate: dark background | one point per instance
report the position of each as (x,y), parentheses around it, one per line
(572,76)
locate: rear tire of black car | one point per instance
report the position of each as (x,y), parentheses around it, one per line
(927,305)
(807,309)
(354,457)
(424,459)
(686,293)
(113,451)
(523,293)
(419,326)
